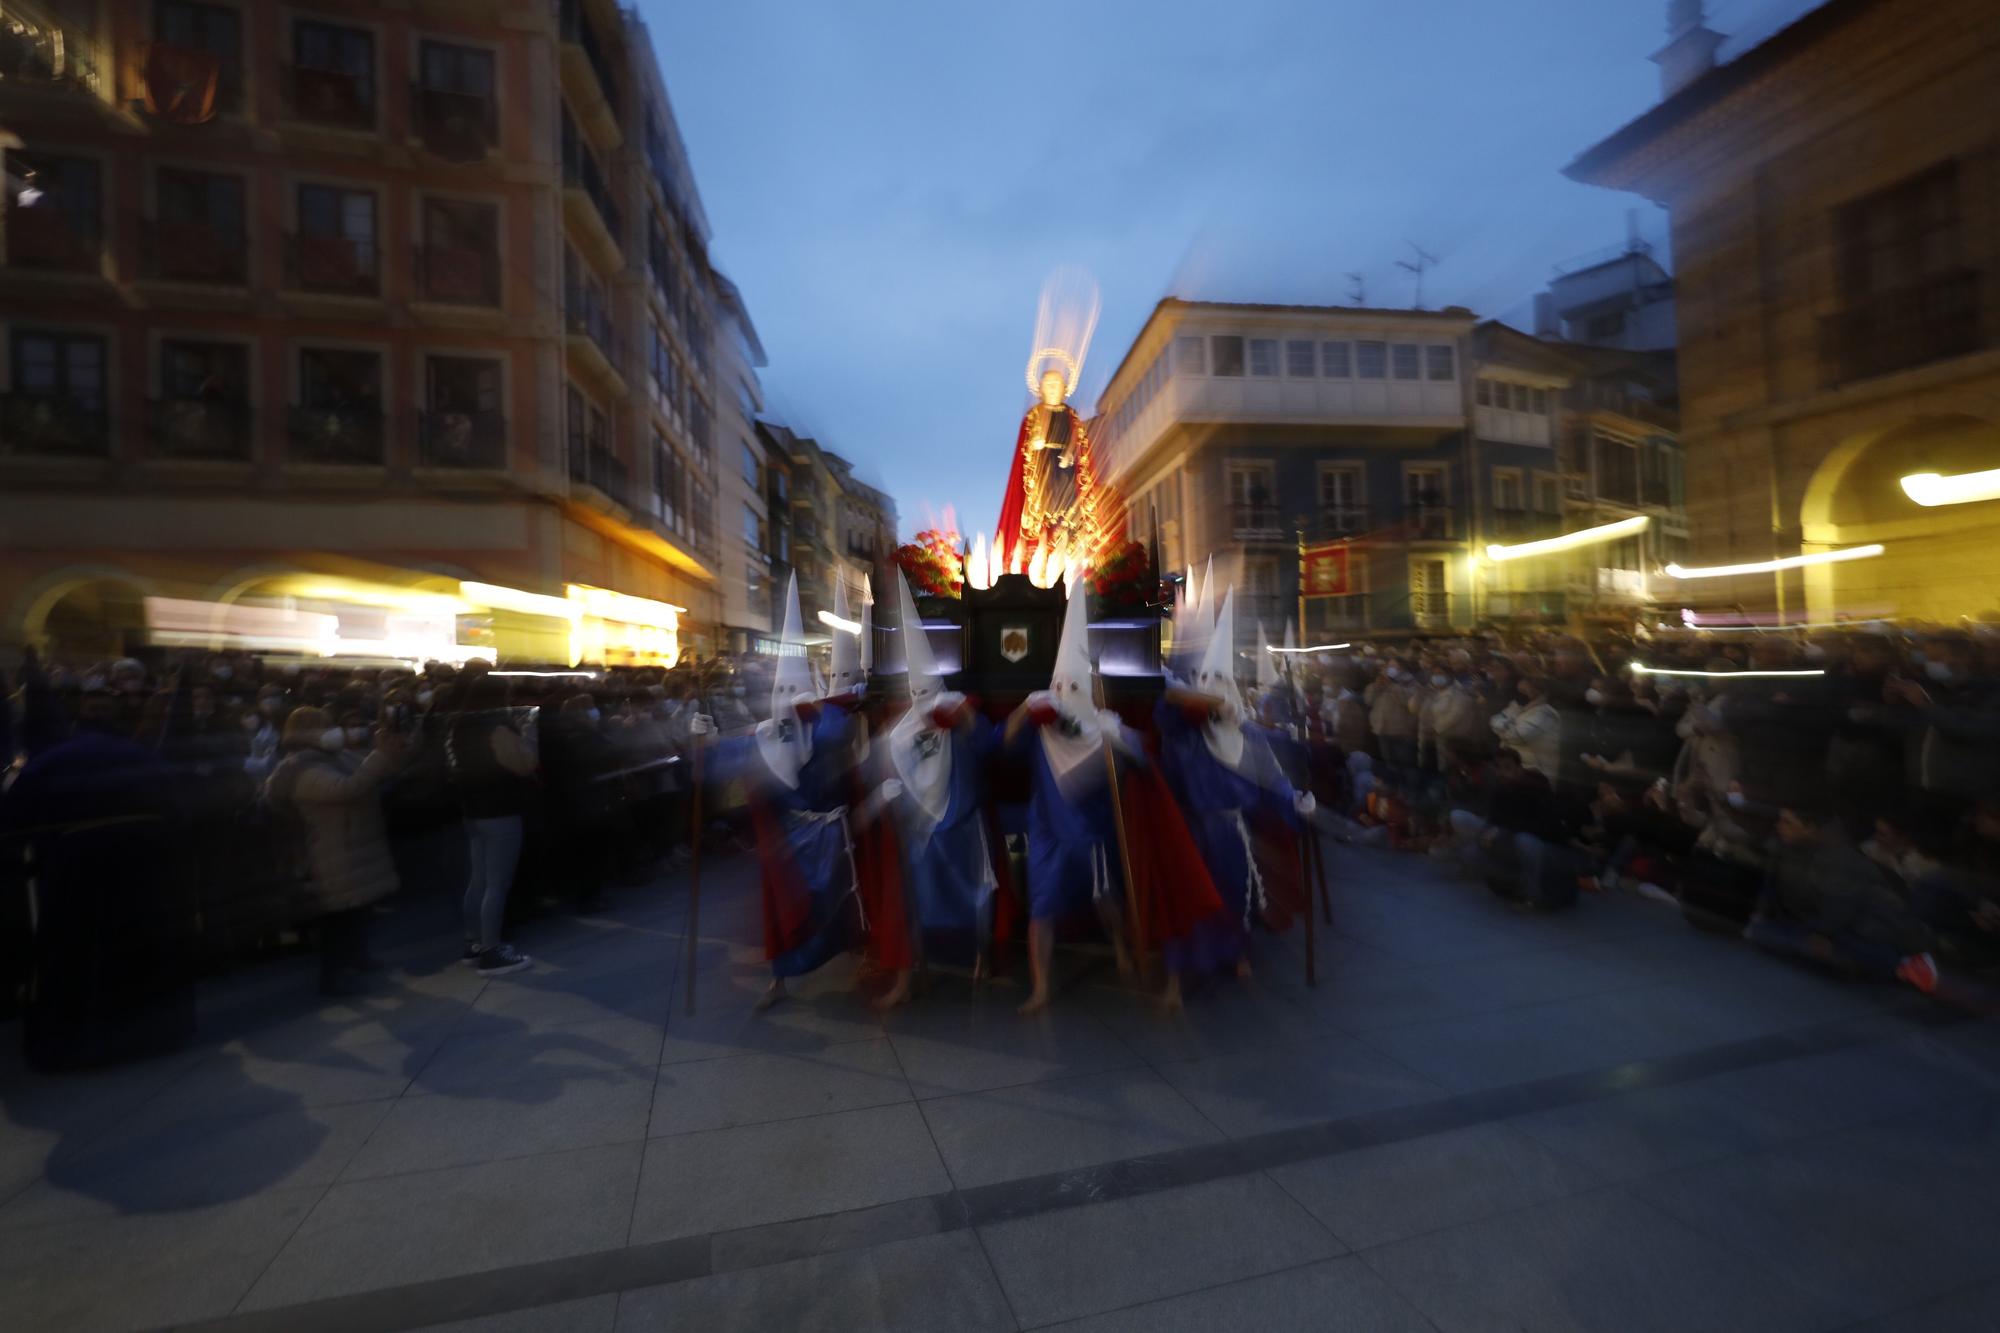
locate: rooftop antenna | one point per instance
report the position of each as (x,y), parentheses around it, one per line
(1357,289)
(1424,260)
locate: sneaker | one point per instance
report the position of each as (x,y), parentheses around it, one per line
(501,959)
(471,954)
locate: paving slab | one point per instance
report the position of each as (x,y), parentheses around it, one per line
(1339,1294)
(524,1118)
(1081,1261)
(751,1089)
(1327,1078)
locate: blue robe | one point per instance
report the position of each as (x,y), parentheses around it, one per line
(1219,801)
(1072,840)
(813,853)
(948,866)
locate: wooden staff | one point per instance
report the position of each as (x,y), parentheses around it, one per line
(694,852)
(1319,870)
(1305,879)
(1138,925)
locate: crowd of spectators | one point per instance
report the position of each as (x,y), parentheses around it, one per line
(263,805)
(1832,794)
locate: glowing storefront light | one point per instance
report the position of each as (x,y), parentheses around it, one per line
(1569,541)
(498,598)
(1811,558)
(609,626)
(1931,490)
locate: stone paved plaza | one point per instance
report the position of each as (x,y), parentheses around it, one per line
(1477,1120)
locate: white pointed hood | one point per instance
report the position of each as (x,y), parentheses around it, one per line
(1267,666)
(848,674)
(918,749)
(1077,737)
(1217,676)
(783,739)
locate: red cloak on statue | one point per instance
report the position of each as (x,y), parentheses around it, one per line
(1106,517)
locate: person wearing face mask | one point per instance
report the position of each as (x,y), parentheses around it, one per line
(1531,727)
(1450,721)
(265,736)
(344,860)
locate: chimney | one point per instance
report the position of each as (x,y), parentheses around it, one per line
(1690,49)
(1546,323)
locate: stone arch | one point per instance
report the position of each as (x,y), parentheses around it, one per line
(1938,563)
(85,610)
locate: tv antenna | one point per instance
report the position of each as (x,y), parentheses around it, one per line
(1357,289)
(1424,260)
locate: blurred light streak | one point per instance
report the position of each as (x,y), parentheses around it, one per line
(1810,558)
(1603,532)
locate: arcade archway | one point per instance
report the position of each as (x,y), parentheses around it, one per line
(88,617)
(1939,564)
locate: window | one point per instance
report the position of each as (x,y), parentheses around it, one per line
(1482,392)
(450,68)
(340,380)
(198,234)
(1517,397)
(1335,360)
(664,373)
(1371,359)
(460,258)
(60,365)
(453,104)
(207,372)
(215,30)
(1189,357)
(753,528)
(1617,468)
(1507,488)
(1548,494)
(462,384)
(1252,499)
(1406,361)
(1226,354)
(1605,326)
(1264,357)
(61,226)
(753,468)
(1300,361)
(335,249)
(1343,499)
(1440,361)
(1899,237)
(701,513)
(333,74)
(1424,486)
(57,404)
(668,486)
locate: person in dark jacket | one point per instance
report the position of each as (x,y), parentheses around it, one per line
(492,769)
(1523,825)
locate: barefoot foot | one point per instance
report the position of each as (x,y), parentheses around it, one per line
(1035,1003)
(771,996)
(897,994)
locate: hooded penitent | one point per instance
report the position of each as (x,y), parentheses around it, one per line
(918,748)
(1217,676)
(1267,667)
(849,674)
(784,739)
(1076,737)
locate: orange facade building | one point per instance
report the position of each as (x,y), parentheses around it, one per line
(359,307)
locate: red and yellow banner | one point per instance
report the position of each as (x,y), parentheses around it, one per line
(1323,570)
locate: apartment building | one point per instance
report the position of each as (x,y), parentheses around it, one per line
(367,306)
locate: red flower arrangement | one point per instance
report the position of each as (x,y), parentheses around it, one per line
(1126,575)
(932,563)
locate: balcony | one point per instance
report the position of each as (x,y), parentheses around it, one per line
(1524,525)
(458,275)
(198,252)
(33,56)
(1428,522)
(458,127)
(473,441)
(1255,521)
(341,436)
(587,68)
(1897,330)
(45,426)
(588,205)
(1343,520)
(54,239)
(333,265)
(200,429)
(587,320)
(594,465)
(330,97)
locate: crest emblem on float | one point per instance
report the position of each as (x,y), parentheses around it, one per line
(1014,642)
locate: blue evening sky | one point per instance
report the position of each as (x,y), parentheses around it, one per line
(890,180)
